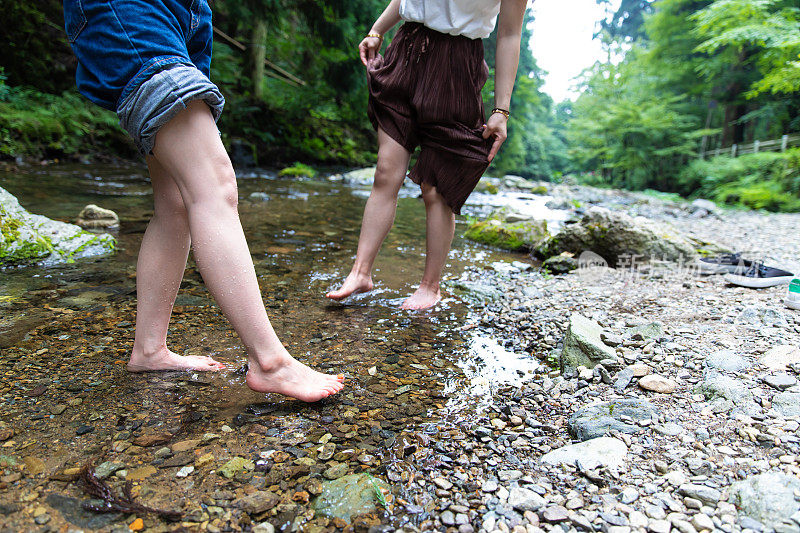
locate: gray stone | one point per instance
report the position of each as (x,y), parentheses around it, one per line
(778,357)
(264,527)
(560,264)
(651,331)
(103,470)
(448,518)
(623,378)
(96,217)
(361,176)
(602,451)
(669,429)
(703,493)
(349,495)
(257,503)
(781,381)
(523,499)
(74,513)
(598,420)
(720,386)
(728,361)
(555,513)
(582,344)
(476,291)
(615,235)
(768,498)
(611,339)
(787,403)
(27,238)
(759,316)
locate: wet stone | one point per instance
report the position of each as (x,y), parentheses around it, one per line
(83,430)
(257,503)
(336,471)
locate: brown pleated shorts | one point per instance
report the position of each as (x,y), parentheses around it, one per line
(426,92)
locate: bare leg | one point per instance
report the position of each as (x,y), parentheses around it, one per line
(441,225)
(190,150)
(378,214)
(162,259)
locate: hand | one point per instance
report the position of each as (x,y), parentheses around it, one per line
(496,126)
(368,49)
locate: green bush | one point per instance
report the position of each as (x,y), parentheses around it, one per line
(766,180)
(35,124)
(298,170)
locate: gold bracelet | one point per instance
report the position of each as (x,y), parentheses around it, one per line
(503,112)
(376,35)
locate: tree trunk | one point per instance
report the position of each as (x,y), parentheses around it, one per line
(258,53)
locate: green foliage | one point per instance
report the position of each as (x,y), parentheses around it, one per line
(298,170)
(42,125)
(697,74)
(767,180)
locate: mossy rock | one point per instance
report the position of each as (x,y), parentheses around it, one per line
(517,237)
(26,238)
(298,170)
(616,237)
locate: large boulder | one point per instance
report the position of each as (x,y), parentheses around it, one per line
(503,230)
(26,238)
(350,495)
(583,345)
(768,498)
(361,176)
(617,237)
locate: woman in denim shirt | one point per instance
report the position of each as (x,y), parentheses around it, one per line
(149,61)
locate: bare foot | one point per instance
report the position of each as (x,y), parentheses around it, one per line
(290,377)
(168,360)
(423,298)
(354,284)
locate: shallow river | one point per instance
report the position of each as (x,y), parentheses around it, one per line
(65,332)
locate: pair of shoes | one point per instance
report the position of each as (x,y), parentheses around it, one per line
(792,299)
(722,264)
(759,276)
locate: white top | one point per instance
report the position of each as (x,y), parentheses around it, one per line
(471,18)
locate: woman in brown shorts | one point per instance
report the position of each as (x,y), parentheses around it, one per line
(426,92)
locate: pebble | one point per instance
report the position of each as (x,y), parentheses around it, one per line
(657,383)
(555,513)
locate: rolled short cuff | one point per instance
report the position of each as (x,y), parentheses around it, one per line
(160,97)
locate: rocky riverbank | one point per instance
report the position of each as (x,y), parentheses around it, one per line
(665,401)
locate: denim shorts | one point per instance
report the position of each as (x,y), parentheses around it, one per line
(144,59)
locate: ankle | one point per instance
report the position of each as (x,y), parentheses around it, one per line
(148,351)
(429,286)
(268,361)
(361,271)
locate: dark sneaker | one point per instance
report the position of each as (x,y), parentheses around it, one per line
(792,299)
(759,276)
(723,264)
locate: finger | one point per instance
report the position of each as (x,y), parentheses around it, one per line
(498,142)
(372,54)
(362,53)
(487,132)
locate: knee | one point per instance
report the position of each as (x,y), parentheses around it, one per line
(217,187)
(430,195)
(228,191)
(388,176)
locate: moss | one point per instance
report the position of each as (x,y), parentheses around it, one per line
(539,189)
(520,236)
(491,188)
(298,170)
